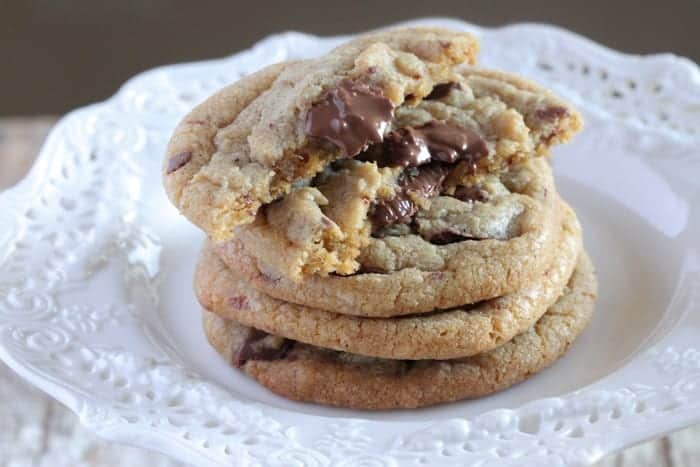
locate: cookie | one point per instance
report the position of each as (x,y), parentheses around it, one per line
(248,144)
(404,273)
(453,333)
(308,373)
(271,134)
(426,162)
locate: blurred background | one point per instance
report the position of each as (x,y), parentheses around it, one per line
(57,55)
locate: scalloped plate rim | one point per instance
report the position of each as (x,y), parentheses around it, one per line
(37,174)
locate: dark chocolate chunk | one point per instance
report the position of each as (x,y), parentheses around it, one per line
(471,193)
(442,90)
(352,116)
(445,238)
(178,161)
(425,180)
(449,143)
(434,141)
(254,349)
(396,210)
(446,144)
(404,147)
(551,113)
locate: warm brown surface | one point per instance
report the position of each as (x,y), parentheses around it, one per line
(313,374)
(454,333)
(257,120)
(39,431)
(58,55)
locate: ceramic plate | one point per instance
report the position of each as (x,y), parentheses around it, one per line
(96,306)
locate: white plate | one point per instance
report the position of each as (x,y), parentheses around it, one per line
(96,306)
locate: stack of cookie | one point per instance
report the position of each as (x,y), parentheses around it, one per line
(384,230)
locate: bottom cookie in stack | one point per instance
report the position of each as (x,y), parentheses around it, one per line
(311,373)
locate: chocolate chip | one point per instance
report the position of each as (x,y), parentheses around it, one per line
(449,143)
(396,210)
(471,193)
(254,348)
(178,161)
(436,141)
(552,113)
(445,238)
(425,180)
(402,148)
(442,90)
(352,116)
(371,270)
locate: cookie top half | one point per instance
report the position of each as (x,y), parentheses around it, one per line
(249,144)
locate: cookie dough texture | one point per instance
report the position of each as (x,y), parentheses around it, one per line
(325,227)
(383,226)
(407,274)
(245,146)
(458,332)
(313,374)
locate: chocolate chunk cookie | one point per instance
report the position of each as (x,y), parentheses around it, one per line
(453,333)
(427,158)
(309,373)
(256,140)
(455,253)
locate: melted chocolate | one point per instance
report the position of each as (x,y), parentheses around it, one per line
(442,90)
(352,116)
(396,210)
(250,351)
(450,143)
(178,161)
(434,141)
(446,237)
(426,181)
(404,147)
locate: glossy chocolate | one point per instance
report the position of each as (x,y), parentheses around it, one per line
(434,141)
(404,147)
(449,143)
(352,116)
(396,210)
(425,181)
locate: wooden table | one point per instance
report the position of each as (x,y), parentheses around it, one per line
(37,431)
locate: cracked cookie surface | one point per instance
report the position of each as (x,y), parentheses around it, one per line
(484,122)
(309,373)
(403,273)
(453,333)
(236,158)
(249,143)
